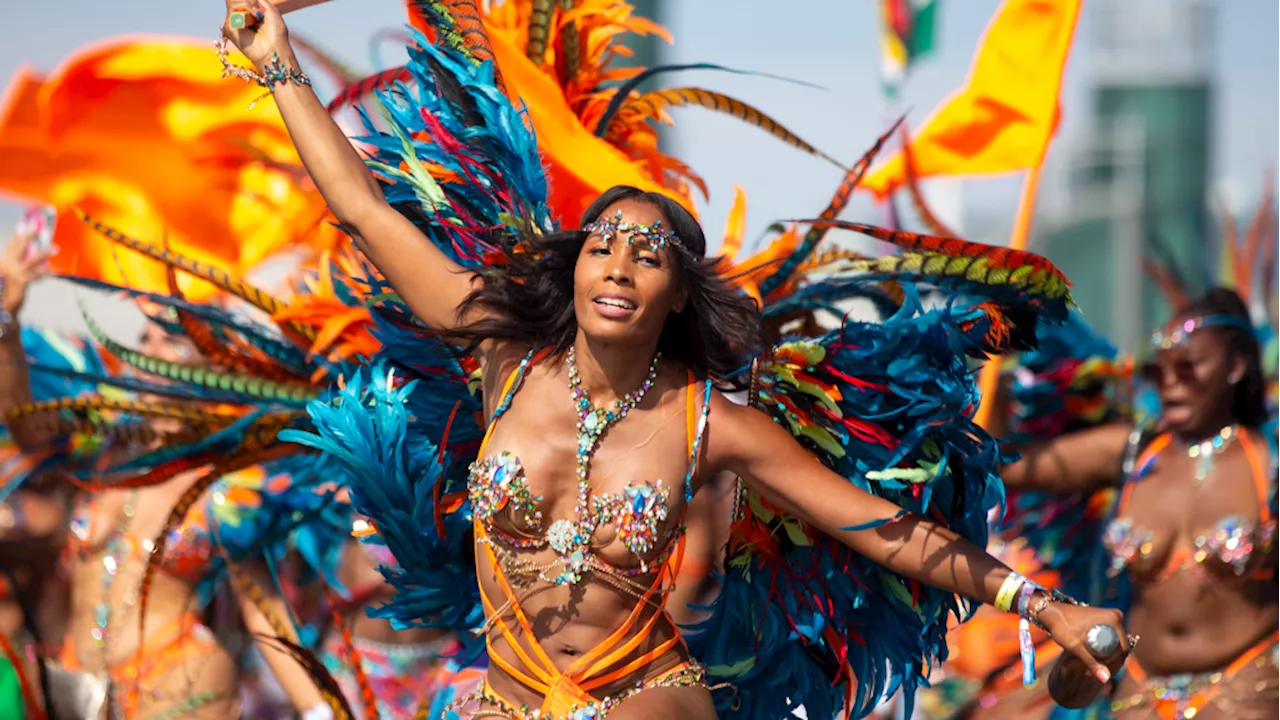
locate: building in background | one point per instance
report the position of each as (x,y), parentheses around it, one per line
(1139,183)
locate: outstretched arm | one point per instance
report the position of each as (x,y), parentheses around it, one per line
(749,443)
(431,284)
(1070,464)
(1078,463)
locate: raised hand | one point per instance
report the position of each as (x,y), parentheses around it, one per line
(20,265)
(264,39)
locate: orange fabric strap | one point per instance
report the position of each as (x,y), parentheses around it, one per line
(586,672)
(1156,447)
(1258,466)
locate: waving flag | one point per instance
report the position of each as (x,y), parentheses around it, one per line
(906,35)
(1002,119)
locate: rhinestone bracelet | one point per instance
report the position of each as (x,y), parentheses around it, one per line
(274,73)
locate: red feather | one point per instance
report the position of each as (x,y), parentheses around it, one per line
(352,94)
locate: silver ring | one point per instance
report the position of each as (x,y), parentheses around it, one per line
(1102,641)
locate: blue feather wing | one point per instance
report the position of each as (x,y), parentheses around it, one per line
(801,619)
(400,479)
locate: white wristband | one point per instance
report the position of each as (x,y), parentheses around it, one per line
(318,712)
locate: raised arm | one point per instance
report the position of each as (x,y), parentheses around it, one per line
(19,267)
(431,284)
(749,443)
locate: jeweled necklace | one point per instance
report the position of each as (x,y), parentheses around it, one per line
(1206,451)
(571,538)
(112,552)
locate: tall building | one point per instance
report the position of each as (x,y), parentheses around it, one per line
(1139,185)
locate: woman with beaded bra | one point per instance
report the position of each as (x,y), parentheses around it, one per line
(597,348)
(178,667)
(1193,532)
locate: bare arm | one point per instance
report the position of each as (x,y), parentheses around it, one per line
(18,269)
(294,680)
(749,443)
(1077,463)
(431,284)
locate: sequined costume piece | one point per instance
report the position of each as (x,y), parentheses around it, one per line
(1254,677)
(568,693)
(1229,544)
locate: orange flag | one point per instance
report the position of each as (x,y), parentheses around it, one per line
(1004,116)
(145,135)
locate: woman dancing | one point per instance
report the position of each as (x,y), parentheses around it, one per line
(1194,528)
(612,330)
(182,668)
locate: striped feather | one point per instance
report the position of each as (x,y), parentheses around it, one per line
(243,386)
(623,93)
(353,659)
(568,60)
(433,19)
(656,101)
(227,356)
(188,413)
(535,48)
(467,20)
(135,385)
(257,340)
(836,205)
(305,657)
(218,277)
(356,91)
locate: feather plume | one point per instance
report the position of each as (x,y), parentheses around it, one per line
(623,93)
(654,103)
(836,205)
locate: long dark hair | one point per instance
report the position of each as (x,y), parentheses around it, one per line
(529,298)
(1248,404)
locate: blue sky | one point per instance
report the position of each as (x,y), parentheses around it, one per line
(829,43)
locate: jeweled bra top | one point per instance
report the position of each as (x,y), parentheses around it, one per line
(499,487)
(1229,544)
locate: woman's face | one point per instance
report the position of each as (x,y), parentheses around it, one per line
(163,346)
(1196,379)
(171,348)
(624,285)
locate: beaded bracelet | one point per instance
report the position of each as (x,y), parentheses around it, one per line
(273,73)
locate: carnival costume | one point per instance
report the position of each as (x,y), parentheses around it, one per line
(65,352)
(244,506)
(1076,381)
(886,404)
(802,621)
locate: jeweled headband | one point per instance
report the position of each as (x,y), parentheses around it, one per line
(656,235)
(1175,335)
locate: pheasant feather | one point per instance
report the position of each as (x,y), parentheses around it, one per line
(655,102)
